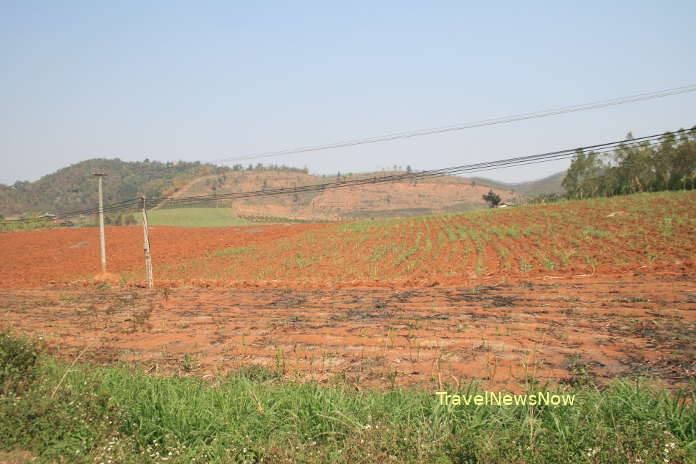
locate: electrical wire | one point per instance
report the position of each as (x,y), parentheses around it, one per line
(602,148)
(484,166)
(470,125)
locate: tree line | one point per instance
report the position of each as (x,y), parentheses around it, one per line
(645,167)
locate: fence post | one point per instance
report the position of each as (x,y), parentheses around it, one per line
(146,246)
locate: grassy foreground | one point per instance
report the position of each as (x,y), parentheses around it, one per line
(81,413)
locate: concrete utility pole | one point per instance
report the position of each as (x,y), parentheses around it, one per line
(146,246)
(102,241)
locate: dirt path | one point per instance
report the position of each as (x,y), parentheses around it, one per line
(183,190)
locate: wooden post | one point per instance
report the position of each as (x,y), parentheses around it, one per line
(146,246)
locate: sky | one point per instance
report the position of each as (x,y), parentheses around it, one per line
(208,80)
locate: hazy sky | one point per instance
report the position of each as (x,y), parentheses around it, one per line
(208,80)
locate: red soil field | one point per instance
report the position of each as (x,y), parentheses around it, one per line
(503,335)
(38,258)
(558,293)
(599,237)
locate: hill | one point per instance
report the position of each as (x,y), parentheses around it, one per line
(393,199)
(75,188)
(549,184)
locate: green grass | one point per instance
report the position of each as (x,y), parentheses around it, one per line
(193,217)
(18,226)
(119,414)
(233,251)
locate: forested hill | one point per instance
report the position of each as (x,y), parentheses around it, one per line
(75,187)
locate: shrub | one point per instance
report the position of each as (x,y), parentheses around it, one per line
(492,198)
(18,363)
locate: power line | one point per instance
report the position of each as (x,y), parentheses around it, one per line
(115,207)
(459,127)
(409,177)
(602,148)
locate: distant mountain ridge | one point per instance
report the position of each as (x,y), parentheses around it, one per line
(74,188)
(549,184)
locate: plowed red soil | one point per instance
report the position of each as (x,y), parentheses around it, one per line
(38,258)
(607,236)
(503,335)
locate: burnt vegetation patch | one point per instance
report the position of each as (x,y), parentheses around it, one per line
(362,315)
(487,295)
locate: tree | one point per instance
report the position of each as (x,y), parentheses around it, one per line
(584,177)
(492,198)
(633,167)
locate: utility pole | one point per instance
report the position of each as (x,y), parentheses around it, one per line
(146,246)
(102,241)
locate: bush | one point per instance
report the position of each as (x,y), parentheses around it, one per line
(546,198)
(492,198)
(18,363)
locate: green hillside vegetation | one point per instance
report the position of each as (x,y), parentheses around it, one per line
(75,188)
